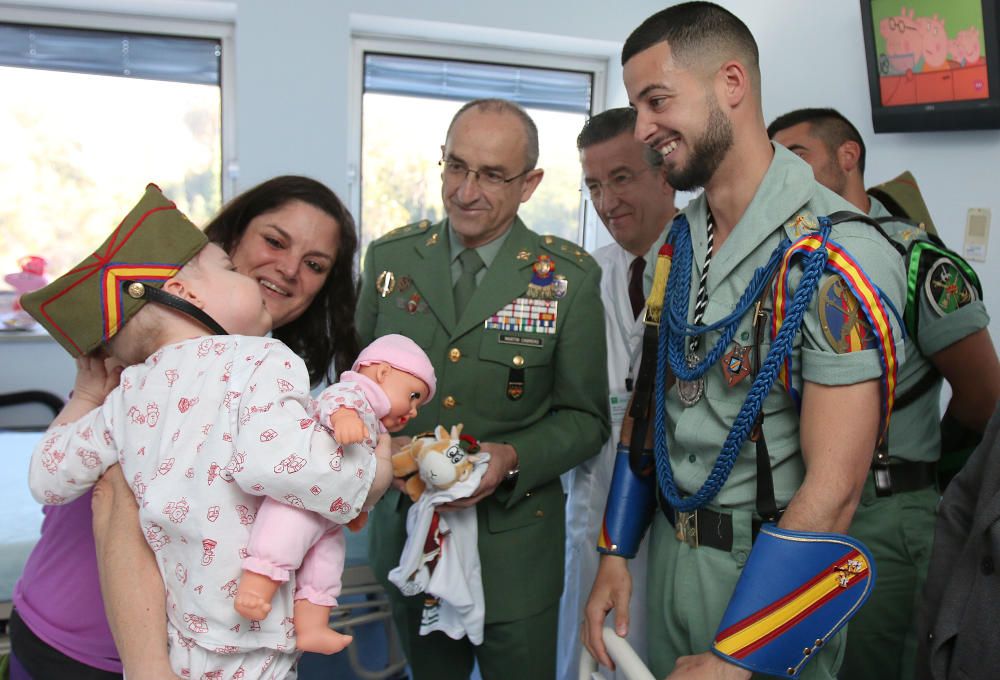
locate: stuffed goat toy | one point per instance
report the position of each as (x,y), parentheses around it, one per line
(439,460)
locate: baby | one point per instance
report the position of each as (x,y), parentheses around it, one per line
(204,424)
(381,392)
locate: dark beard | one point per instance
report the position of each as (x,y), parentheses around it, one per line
(707,153)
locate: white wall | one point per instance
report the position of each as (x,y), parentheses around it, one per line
(293,111)
(293,101)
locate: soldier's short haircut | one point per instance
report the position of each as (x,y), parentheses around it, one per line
(827,125)
(610,124)
(495,105)
(697,32)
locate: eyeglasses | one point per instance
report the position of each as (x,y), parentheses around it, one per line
(618,184)
(457,171)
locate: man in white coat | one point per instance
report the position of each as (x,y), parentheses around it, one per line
(636,204)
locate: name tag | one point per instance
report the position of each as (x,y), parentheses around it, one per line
(526,315)
(618,406)
(507,339)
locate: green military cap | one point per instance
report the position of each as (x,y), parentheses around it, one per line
(901,197)
(89,304)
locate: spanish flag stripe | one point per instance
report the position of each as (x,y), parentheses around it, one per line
(781,602)
(867,296)
(757,630)
(792,622)
(111,294)
(604,540)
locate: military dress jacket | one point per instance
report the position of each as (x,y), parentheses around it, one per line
(947,309)
(538,384)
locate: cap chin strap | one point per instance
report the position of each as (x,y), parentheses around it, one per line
(140,291)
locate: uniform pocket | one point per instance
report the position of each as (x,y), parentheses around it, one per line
(516,372)
(544,503)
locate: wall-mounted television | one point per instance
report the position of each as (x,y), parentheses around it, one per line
(932,64)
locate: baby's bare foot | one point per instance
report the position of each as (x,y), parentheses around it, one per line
(321,640)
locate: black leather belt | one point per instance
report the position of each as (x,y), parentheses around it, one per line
(902,476)
(705,527)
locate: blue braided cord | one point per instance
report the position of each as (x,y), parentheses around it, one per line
(793,392)
(815,264)
(895,312)
(677,300)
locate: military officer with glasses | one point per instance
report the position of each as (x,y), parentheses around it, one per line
(513,323)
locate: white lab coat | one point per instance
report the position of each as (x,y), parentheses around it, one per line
(589,482)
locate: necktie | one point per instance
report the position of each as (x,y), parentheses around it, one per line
(466,284)
(635,295)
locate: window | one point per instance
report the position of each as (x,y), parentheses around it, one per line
(88,118)
(408,101)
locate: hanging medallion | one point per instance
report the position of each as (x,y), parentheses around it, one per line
(691,391)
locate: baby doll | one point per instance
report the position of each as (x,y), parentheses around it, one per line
(380,393)
(204,424)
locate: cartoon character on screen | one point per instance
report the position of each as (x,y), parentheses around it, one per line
(390,380)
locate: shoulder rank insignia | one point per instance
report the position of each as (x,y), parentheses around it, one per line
(844,325)
(803,223)
(946,287)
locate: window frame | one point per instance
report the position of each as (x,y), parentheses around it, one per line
(215,23)
(362,42)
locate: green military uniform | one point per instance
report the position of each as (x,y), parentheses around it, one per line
(689,587)
(899,529)
(542,390)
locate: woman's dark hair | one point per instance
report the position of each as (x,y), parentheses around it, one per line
(324,335)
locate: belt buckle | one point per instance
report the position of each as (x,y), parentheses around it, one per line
(686,525)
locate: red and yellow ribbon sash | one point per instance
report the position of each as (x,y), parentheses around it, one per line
(869,299)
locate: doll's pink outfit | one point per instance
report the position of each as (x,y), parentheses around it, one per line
(288,539)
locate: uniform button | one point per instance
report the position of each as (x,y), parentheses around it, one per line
(740,556)
(539,513)
(518,361)
(692,458)
(527,494)
(986,566)
(454,354)
(449,402)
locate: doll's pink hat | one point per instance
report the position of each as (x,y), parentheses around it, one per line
(399,352)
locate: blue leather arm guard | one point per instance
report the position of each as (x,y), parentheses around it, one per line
(630,507)
(797,589)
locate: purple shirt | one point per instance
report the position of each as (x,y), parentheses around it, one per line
(59,594)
